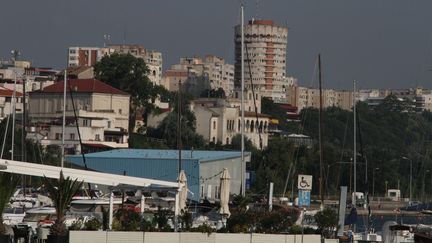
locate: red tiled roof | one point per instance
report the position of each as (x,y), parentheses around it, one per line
(84,86)
(4,92)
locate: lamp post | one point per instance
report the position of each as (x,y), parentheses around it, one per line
(410,180)
(373,181)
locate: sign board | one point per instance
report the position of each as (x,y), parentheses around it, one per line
(304,182)
(304,198)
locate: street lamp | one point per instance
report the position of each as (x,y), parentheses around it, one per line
(373,181)
(410,182)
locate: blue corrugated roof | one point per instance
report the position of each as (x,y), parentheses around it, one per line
(201,155)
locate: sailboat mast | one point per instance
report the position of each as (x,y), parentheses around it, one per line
(64,117)
(13,116)
(243,189)
(355,146)
(321,179)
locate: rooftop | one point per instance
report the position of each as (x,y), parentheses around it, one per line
(83,86)
(201,155)
(4,92)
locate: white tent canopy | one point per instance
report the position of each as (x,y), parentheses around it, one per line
(31,169)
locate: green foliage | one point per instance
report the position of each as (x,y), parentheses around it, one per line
(276,221)
(92,224)
(204,228)
(387,132)
(167,131)
(161,220)
(129,74)
(185,220)
(127,220)
(327,221)
(8,183)
(61,192)
(139,141)
(213,93)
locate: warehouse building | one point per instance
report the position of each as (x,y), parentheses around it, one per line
(203,168)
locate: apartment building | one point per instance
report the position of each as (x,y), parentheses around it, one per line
(212,68)
(102,115)
(89,56)
(265,53)
(303,97)
(153,59)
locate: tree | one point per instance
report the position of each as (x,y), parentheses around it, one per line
(61,192)
(327,221)
(129,74)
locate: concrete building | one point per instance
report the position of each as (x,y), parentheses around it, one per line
(266,45)
(303,97)
(203,168)
(153,59)
(6,100)
(102,113)
(89,56)
(86,56)
(219,120)
(213,68)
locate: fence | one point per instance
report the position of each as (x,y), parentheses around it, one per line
(157,237)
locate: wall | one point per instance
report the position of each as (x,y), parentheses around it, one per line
(156,237)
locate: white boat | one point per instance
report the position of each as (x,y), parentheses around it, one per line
(27,198)
(13,216)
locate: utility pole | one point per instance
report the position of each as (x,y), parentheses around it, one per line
(243,189)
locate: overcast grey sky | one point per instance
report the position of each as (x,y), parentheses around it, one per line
(380,43)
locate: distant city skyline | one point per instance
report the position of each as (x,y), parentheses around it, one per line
(379,43)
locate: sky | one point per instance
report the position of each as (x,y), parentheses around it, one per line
(378,43)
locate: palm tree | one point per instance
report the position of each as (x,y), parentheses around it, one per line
(61,192)
(8,183)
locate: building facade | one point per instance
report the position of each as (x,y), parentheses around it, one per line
(6,102)
(219,120)
(265,53)
(202,168)
(213,68)
(86,56)
(89,56)
(153,59)
(102,114)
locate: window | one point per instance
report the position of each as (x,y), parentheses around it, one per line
(109,124)
(86,122)
(202,192)
(72,136)
(214,125)
(58,136)
(97,137)
(217,192)
(214,140)
(120,111)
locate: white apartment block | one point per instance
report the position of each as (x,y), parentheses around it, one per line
(302,97)
(265,53)
(86,56)
(219,73)
(102,113)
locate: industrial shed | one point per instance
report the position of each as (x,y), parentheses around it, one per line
(202,168)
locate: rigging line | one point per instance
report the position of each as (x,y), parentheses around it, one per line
(260,128)
(5,136)
(78,131)
(348,115)
(301,129)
